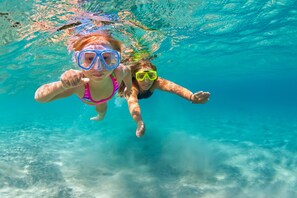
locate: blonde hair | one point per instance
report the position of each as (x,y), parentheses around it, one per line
(78,42)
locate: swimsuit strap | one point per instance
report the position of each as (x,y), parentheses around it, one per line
(87,95)
(115,82)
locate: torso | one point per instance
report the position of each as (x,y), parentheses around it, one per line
(145,94)
(87,98)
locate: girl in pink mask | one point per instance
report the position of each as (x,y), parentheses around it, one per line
(98,56)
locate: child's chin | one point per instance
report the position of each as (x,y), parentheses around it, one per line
(98,76)
(146,87)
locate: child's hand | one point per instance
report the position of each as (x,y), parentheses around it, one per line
(200,97)
(73,78)
(127,91)
(140,129)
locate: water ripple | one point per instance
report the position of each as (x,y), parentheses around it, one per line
(30,47)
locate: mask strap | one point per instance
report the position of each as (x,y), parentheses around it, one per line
(74,57)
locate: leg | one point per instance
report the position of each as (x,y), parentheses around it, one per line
(101,110)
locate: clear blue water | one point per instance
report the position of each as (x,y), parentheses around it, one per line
(240,144)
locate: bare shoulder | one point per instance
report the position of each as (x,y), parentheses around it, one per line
(160,82)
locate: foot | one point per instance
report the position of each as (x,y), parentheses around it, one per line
(98,117)
(140,129)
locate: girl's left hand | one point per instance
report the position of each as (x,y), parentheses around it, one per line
(140,129)
(200,97)
(127,92)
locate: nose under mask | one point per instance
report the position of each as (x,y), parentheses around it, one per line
(98,64)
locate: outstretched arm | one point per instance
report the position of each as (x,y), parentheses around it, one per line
(166,85)
(134,109)
(70,80)
(51,91)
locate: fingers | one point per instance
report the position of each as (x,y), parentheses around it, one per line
(127,92)
(85,80)
(200,94)
(72,78)
(140,129)
(200,97)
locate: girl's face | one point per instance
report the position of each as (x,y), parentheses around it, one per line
(146,83)
(98,71)
(95,75)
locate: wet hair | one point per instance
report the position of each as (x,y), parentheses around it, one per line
(78,42)
(135,67)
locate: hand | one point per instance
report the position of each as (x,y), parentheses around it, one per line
(140,129)
(73,78)
(200,97)
(127,92)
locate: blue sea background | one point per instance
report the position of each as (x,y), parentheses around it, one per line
(242,143)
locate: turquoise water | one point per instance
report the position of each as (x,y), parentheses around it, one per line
(242,143)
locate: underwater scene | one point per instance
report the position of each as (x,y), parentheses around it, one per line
(241,143)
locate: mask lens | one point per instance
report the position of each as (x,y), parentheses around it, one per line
(86,59)
(140,76)
(152,75)
(111,59)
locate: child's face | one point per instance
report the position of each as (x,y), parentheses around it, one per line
(96,75)
(146,83)
(100,60)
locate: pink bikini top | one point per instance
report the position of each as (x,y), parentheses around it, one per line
(87,95)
